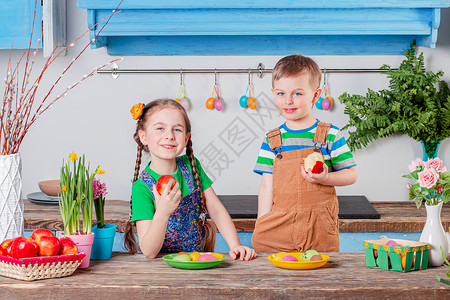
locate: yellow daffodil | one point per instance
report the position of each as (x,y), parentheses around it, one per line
(64,188)
(73,156)
(99,171)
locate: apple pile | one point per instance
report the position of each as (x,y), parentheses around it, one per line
(41,243)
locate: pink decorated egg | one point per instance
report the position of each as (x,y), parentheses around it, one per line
(289,258)
(206,256)
(391,243)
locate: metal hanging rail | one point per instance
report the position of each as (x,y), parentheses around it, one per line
(260,70)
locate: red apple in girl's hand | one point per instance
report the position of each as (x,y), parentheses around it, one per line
(47,245)
(5,247)
(40,232)
(67,246)
(163,181)
(23,247)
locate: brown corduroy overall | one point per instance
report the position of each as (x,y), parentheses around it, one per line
(304,215)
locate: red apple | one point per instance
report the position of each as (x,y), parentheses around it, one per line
(5,247)
(314,162)
(48,245)
(22,247)
(67,246)
(163,181)
(40,232)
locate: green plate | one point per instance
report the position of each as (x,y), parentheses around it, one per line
(191,265)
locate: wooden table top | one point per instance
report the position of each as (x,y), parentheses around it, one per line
(395,217)
(127,276)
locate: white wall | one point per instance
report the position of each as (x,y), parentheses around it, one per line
(94,118)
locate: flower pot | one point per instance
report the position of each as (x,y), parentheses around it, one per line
(433,234)
(103,241)
(11,202)
(84,244)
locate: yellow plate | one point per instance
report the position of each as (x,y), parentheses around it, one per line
(298,265)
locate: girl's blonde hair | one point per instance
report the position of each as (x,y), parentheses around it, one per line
(154,106)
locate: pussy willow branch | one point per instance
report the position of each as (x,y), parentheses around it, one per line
(14,126)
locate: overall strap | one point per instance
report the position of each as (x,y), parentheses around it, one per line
(321,132)
(274,137)
(188,177)
(148,180)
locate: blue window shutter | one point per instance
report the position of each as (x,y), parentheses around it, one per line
(16,19)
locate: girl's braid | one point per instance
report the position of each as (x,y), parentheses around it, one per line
(210,228)
(130,240)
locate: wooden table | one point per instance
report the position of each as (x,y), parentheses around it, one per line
(395,217)
(127,276)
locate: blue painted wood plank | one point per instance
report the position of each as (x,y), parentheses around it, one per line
(267,22)
(16,21)
(260,45)
(191,4)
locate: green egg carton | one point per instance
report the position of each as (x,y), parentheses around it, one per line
(407,256)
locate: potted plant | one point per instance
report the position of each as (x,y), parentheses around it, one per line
(104,232)
(75,203)
(432,186)
(417,103)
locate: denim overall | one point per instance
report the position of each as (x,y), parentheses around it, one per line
(304,215)
(184,233)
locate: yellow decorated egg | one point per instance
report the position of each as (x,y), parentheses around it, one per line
(217,255)
(194,256)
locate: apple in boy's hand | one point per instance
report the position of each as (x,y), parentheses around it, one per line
(314,162)
(163,181)
(40,232)
(47,245)
(5,247)
(67,246)
(22,247)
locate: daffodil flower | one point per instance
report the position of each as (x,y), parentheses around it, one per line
(73,156)
(99,171)
(64,188)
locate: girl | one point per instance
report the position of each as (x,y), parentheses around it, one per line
(175,220)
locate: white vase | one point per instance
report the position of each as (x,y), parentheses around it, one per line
(11,202)
(433,233)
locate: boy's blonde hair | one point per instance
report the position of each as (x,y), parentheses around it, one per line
(295,65)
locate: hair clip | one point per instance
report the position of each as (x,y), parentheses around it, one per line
(136,110)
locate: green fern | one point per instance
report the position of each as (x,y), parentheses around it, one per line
(417,103)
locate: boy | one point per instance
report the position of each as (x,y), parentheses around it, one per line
(298,209)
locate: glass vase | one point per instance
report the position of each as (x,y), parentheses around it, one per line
(430,149)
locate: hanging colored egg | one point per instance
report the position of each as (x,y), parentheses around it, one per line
(210,103)
(251,102)
(243,101)
(319,103)
(185,102)
(218,104)
(326,104)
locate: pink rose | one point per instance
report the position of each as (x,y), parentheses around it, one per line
(428,178)
(415,163)
(436,164)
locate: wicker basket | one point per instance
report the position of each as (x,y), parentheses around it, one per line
(42,267)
